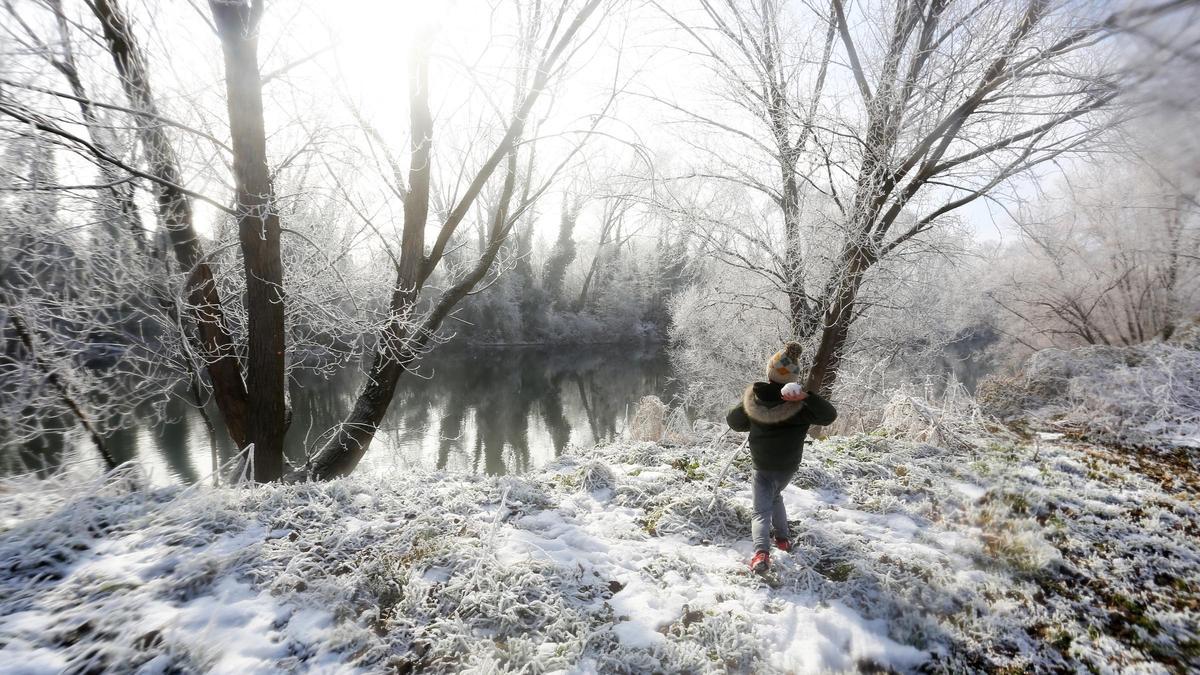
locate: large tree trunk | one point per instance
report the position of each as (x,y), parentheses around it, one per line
(828,358)
(175,212)
(835,327)
(258,232)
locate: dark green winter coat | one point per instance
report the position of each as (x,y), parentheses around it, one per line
(777,427)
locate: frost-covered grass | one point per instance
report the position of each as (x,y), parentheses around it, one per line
(996,554)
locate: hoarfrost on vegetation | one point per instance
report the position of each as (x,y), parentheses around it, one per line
(983,555)
(947,424)
(648,420)
(654,421)
(1141,397)
(597,476)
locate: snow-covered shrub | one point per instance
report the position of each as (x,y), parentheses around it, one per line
(640,454)
(524,491)
(948,425)
(1153,399)
(1044,380)
(596,475)
(643,495)
(698,517)
(812,476)
(649,420)
(677,428)
(1142,396)
(1188,335)
(721,347)
(1001,396)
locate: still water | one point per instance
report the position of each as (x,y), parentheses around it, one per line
(488,410)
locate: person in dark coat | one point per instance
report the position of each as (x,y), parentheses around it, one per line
(777,413)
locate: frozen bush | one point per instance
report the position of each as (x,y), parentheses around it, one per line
(1002,396)
(1142,396)
(811,476)
(523,492)
(597,476)
(691,516)
(649,420)
(1044,380)
(641,454)
(915,419)
(1188,336)
(677,427)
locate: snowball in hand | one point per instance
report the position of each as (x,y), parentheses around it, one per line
(792,389)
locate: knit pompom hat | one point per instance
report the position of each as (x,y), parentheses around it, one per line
(784,366)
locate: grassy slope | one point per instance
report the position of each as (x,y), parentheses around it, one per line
(997,554)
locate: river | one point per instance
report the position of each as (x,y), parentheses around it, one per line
(486,410)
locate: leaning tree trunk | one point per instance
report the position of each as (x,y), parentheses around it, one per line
(25,335)
(121,191)
(258,233)
(395,350)
(835,327)
(342,454)
(402,339)
(175,212)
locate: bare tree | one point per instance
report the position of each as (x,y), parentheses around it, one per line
(1108,260)
(101,134)
(551,36)
(64,295)
(175,212)
(886,121)
(246,327)
(611,237)
(564,250)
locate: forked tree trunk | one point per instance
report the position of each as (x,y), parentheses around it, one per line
(401,341)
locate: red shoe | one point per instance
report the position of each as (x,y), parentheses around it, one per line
(760,562)
(784,545)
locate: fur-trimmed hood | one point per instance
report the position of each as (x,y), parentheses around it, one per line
(768,412)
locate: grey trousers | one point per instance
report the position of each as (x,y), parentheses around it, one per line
(766,488)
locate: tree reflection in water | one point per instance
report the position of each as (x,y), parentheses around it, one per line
(508,409)
(490,410)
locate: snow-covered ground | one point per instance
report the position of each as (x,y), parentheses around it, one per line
(998,554)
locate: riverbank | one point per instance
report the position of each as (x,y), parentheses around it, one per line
(990,552)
